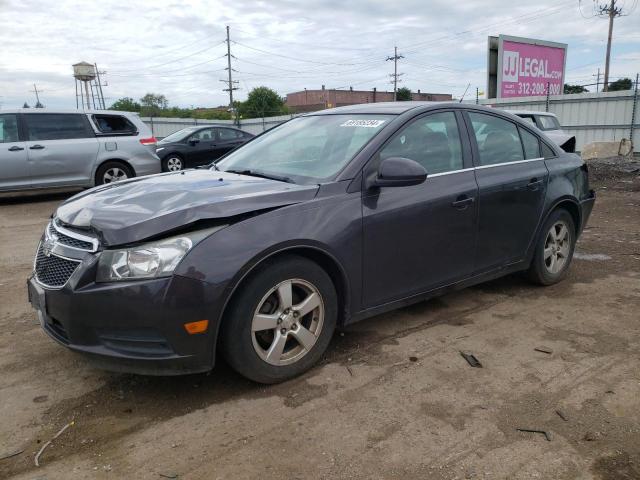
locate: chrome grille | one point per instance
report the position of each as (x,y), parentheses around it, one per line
(53,271)
(69,241)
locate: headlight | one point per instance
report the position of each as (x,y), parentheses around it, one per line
(149,260)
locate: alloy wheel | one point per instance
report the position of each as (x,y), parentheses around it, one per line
(114,174)
(288,321)
(174,164)
(557,247)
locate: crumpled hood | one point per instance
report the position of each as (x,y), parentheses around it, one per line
(134,210)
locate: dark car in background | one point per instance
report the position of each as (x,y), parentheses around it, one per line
(196,146)
(325,220)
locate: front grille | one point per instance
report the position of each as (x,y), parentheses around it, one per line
(53,271)
(67,240)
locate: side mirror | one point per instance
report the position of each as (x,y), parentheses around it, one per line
(194,141)
(398,172)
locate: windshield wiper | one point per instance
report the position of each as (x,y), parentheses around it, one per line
(256,173)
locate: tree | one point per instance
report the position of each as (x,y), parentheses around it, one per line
(152,104)
(403,94)
(620,84)
(574,88)
(125,104)
(262,102)
(39,105)
(26,105)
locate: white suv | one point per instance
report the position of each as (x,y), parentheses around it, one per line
(46,148)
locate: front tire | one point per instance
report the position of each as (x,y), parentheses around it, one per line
(554,250)
(281,320)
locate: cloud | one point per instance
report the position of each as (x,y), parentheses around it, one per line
(177,48)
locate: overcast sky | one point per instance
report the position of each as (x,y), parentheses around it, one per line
(177,48)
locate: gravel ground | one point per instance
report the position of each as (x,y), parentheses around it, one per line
(392,399)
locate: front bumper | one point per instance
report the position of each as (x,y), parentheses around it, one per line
(136,326)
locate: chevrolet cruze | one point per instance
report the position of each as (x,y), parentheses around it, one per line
(325,220)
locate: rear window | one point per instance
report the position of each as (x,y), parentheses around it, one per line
(114,125)
(229,134)
(548,122)
(57,126)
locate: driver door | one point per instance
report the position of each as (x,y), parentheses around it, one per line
(421,237)
(201,148)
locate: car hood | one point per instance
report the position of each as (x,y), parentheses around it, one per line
(140,208)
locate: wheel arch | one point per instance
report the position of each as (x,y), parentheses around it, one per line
(572,206)
(328,262)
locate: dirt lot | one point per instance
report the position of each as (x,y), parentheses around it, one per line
(392,399)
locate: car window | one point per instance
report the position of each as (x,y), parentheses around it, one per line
(228,134)
(206,134)
(433,141)
(114,124)
(499,141)
(530,143)
(548,122)
(547,152)
(56,126)
(528,119)
(8,128)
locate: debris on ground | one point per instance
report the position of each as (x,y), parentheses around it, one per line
(562,415)
(546,350)
(60,432)
(349,370)
(592,436)
(10,455)
(546,434)
(471,359)
(168,475)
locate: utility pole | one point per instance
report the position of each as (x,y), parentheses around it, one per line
(231,84)
(395,74)
(100,93)
(597,80)
(612,11)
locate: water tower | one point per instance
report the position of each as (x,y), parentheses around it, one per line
(88,84)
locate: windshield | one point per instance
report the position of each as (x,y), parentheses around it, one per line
(177,136)
(306,149)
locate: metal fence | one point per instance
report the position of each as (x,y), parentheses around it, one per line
(162,127)
(591,117)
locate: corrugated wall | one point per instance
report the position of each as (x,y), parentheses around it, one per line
(591,117)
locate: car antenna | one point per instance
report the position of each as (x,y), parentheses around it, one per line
(465,92)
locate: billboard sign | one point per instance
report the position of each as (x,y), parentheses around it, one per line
(527,67)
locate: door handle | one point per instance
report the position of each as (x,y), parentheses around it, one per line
(534,183)
(15,148)
(462,202)
(36,147)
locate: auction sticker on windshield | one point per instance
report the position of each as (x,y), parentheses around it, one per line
(363,123)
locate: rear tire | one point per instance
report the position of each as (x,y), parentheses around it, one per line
(280,321)
(173,163)
(113,171)
(554,249)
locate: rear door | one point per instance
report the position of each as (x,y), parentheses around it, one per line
(14,165)
(512,180)
(227,140)
(62,148)
(420,237)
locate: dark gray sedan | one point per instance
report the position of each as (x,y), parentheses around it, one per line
(323,221)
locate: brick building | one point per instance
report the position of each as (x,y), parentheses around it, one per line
(312,100)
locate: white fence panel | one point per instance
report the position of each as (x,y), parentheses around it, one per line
(591,117)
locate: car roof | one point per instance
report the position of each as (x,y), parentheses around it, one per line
(66,110)
(531,112)
(398,108)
